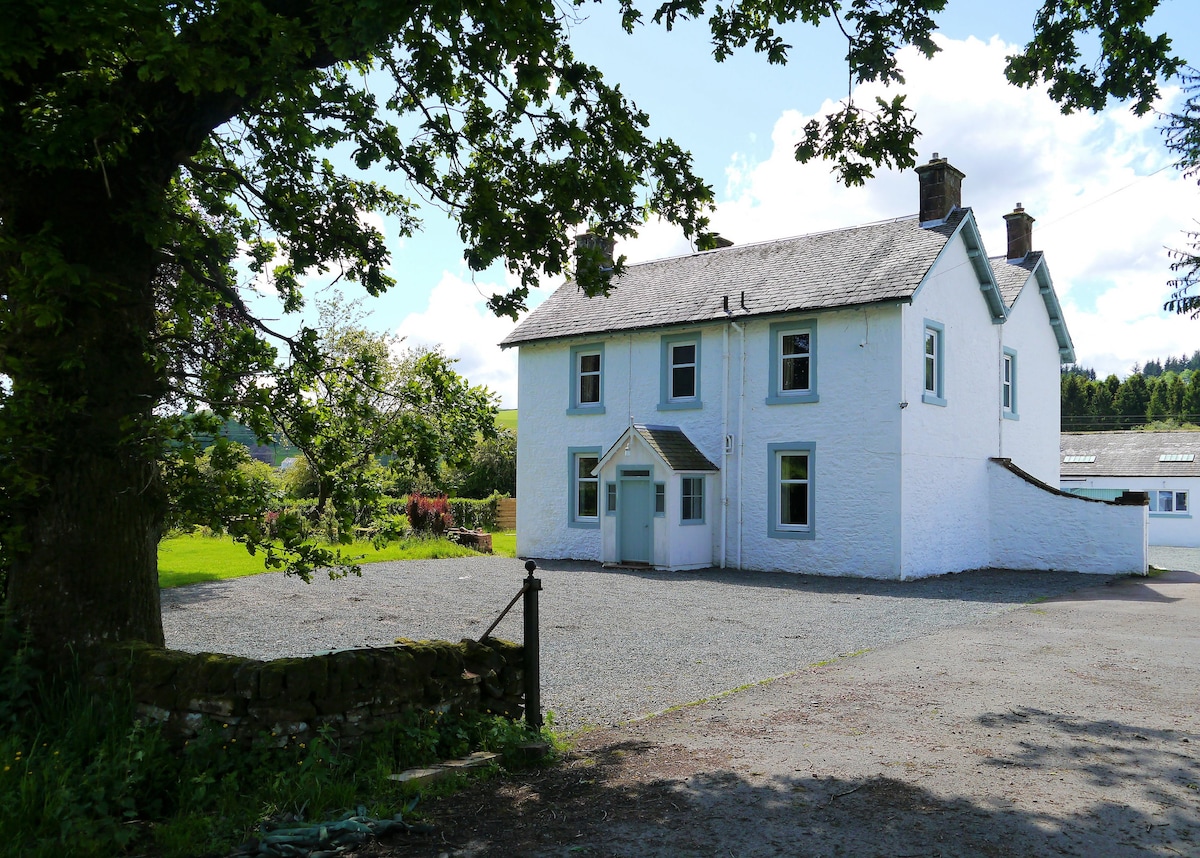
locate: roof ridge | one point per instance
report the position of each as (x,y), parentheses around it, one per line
(780,239)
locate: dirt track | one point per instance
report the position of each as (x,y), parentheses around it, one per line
(1069,727)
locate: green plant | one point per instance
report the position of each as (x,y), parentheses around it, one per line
(80,775)
(475,514)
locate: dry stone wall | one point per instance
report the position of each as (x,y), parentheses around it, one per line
(353,692)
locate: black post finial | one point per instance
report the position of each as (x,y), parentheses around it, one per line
(530,566)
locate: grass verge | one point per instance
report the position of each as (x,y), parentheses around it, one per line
(195,557)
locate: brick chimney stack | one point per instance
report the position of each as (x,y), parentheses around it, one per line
(593,245)
(1020,233)
(941,189)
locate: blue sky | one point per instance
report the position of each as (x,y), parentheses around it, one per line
(1105,207)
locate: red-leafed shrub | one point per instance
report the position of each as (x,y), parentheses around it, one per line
(429,514)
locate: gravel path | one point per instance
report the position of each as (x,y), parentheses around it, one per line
(615,644)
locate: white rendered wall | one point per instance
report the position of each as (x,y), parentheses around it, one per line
(1032,440)
(855,427)
(1033,528)
(946,448)
(631,393)
(1165,528)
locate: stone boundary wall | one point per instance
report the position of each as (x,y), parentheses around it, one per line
(1038,526)
(355,692)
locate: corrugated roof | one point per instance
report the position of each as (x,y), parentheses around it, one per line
(861,265)
(1130,454)
(675,448)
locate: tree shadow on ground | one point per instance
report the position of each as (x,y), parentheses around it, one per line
(633,798)
(1159,762)
(977,585)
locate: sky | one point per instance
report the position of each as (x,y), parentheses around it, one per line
(1107,202)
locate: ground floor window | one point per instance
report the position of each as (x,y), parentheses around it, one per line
(693,500)
(1169,501)
(791,498)
(584,487)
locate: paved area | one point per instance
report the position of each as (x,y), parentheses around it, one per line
(615,644)
(1069,726)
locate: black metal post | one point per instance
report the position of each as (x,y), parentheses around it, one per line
(533,680)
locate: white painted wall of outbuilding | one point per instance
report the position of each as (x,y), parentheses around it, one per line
(1165,528)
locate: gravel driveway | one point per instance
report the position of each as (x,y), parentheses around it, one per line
(615,644)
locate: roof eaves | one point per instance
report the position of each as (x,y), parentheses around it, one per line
(983,270)
(979,262)
(1066,348)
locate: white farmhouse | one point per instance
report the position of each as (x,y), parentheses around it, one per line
(1164,465)
(877,401)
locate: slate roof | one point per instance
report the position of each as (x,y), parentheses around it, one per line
(847,267)
(671,445)
(1011,277)
(676,449)
(1130,454)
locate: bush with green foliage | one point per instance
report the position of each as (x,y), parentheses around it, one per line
(476,514)
(492,468)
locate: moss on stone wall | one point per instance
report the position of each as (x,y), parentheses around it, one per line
(352,692)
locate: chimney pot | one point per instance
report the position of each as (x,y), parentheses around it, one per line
(1020,233)
(941,189)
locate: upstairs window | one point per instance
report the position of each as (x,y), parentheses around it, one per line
(793,370)
(683,371)
(934,359)
(587,379)
(1008,384)
(794,362)
(680,372)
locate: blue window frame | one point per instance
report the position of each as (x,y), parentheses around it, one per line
(583,500)
(660,499)
(1008,384)
(587,379)
(610,498)
(792,376)
(933,363)
(791,501)
(679,372)
(692,497)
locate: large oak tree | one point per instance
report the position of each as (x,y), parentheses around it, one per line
(147,147)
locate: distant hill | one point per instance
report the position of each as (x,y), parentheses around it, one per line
(506,418)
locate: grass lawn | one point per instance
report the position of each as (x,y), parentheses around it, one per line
(504,543)
(193,558)
(506,418)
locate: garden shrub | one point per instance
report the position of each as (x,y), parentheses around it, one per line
(476,514)
(429,515)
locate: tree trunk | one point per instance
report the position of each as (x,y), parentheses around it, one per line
(79,421)
(90,569)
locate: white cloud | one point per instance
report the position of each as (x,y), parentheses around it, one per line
(1104,216)
(457,318)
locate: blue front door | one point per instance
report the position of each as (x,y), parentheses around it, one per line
(635,515)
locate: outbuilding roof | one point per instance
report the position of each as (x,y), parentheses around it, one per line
(1130,454)
(883,261)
